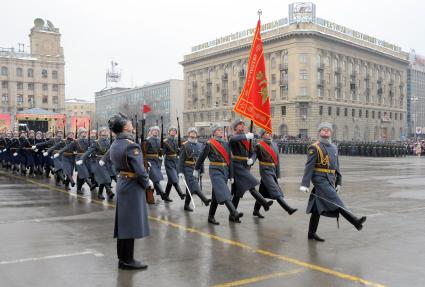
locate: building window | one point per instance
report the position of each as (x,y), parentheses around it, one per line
(45,87)
(45,100)
(4,84)
(360,113)
(4,71)
(345,112)
(321,110)
(367,114)
(401,116)
(31,100)
(303,74)
(30,73)
(273,79)
(55,88)
(395,116)
(303,58)
(44,73)
(5,99)
(353,112)
(337,111)
(54,75)
(272,111)
(273,95)
(19,99)
(303,91)
(379,115)
(319,92)
(55,100)
(20,85)
(283,110)
(373,114)
(19,72)
(31,86)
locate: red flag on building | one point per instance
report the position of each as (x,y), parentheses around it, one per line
(254,101)
(146,108)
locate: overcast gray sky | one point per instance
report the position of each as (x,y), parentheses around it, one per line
(149,38)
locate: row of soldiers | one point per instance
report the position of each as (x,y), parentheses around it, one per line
(229,163)
(352,148)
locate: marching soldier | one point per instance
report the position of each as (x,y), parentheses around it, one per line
(91,160)
(78,147)
(28,154)
(54,165)
(131,215)
(102,172)
(267,153)
(38,155)
(189,153)
(171,151)
(242,160)
(2,147)
(152,153)
(221,172)
(64,160)
(322,169)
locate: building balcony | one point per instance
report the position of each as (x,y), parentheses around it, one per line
(283,67)
(283,82)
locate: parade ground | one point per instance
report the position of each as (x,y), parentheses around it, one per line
(50,237)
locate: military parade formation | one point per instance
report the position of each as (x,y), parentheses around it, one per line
(115,154)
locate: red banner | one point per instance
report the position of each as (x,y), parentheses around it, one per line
(4,122)
(79,122)
(254,101)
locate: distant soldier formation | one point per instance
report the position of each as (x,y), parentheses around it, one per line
(97,158)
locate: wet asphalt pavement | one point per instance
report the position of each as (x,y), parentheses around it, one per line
(52,238)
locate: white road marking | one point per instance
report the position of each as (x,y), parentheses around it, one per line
(86,252)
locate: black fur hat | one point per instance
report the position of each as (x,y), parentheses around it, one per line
(117,122)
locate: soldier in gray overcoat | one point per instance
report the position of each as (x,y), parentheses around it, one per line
(221,172)
(242,152)
(102,173)
(52,164)
(267,153)
(78,147)
(322,169)
(189,153)
(171,152)
(66,161)
(152,152)
(131,216)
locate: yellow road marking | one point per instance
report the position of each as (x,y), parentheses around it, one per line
(259,278)
(224,240)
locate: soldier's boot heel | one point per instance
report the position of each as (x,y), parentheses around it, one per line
(256,212)
(235,215)
(356,222)
(211,213)
(204,200)
(312,228)
(260,199)
(285,206)
(91,185)
(100,192)
(179,191)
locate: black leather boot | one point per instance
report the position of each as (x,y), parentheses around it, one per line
(356,222)
(233,212)
(168,190)
(211,213)
(57,179)
(128,262)
(160,192)
(187,203)
(260,199)
(203,198)
(256,212)
(312,227)
(91,185)
(179,191)
(100,192)
(109,192)
(285,206)
(80,183)
(235,201)
(67,185)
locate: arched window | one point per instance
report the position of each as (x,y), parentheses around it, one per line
(30,73)
(44,73)
(4,71)
(19,72)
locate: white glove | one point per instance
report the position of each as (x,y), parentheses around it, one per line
(33,147)
(250,161)
(1,151)
(231,180)
(196,174)
(160,158)
(338,188)
(15,154)
(79,162)
(36,150)
(45,153)
(150,184)
(56,155)
(5,150)
(249,136)
(101,163)
(304,189)
(181,175)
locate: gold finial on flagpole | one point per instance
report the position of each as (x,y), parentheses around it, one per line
(259,12)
